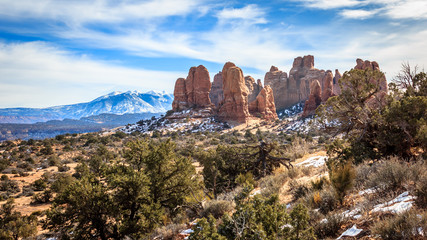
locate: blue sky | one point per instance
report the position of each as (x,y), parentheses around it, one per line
(55,52)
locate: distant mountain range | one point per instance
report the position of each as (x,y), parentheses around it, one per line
(95,123)
(118,103)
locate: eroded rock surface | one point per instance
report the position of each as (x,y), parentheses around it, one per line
(235,104)
(314,99)
(263,106)
(217,94)
(192,92)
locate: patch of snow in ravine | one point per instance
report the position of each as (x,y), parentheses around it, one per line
(367,191)
(351,232)
(400,204)
(316,161)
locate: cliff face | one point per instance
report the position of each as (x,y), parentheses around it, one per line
(295,88)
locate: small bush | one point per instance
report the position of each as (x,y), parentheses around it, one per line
(168,232)
(39,185)
(9,186)
(298,190)
(328,201)
(53,161)
(63,168)
(330,226)
(272,184)
(319,183)
(391,175)
(408,225)
(421,192)
(342,178)
(217,208)
(43,197)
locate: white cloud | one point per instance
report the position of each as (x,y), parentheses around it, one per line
(358,13)
(331,4)
(83,11)
(250,13)
(408,9)
(37,74)
(395,9)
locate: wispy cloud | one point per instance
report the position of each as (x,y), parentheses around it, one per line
(250,13)
(358,13)
(408,9)
(331,4)
(82,11)
(39,74)
(395,9)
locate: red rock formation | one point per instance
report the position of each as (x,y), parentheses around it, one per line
(278,81)
(235,104)
(253,88)
(263,106)
(193,91)
(314,100)
(217,94)
(337,88)
(301,76)
(180,97)
(328,86)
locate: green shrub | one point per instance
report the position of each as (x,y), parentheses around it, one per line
(206,229)
(39,185)
(43,197)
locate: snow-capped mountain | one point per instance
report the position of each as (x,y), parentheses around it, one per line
(113,103)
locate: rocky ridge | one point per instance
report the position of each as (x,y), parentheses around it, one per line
(230,96)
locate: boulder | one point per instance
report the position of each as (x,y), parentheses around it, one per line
(235,104)
(314,99)
(263,106)
(217,94)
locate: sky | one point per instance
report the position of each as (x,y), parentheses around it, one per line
(55,52)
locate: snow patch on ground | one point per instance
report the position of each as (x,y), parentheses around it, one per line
(195,121)
(316,161)
(351,232)
(367,191)
(400,204)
